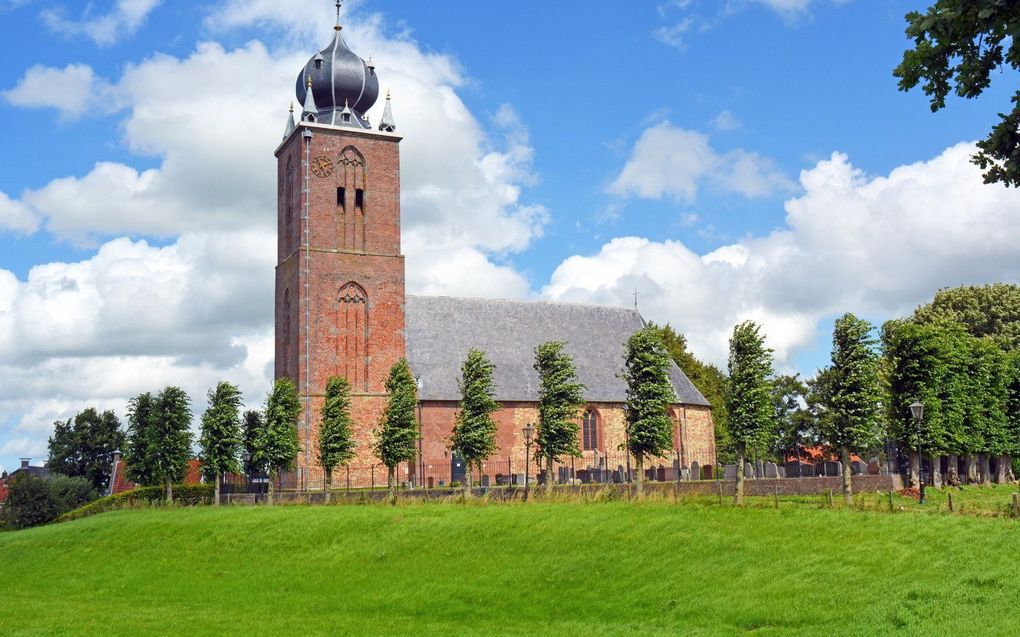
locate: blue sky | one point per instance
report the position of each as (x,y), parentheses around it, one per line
(569,150)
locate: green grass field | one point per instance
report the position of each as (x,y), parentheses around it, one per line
(536,569)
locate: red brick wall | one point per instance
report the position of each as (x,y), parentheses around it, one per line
(354,299)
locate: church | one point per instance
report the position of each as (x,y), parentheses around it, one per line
(342,308)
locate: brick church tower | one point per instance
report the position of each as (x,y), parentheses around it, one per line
(340,273)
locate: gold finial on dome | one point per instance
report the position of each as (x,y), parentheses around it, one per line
(339,3)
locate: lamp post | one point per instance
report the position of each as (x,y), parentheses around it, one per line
(529,432)
(917,411)
(421,459)
(247,458)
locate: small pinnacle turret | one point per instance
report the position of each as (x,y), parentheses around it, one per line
(311,111)
(387,124)
(290,122)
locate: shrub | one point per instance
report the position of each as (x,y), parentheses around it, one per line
(30,502)
(71,493)
(184,495)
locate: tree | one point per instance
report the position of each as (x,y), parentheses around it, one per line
(398,432)
(251,428)
(709,380)
(336,437)
(855,394)
(795,430)
(988,310)
(277,445)
(649,396)
(84,447)
(748,398)
(957,46)
(140,467)
(474,433)
(169,438)
(560,398)
(220,439)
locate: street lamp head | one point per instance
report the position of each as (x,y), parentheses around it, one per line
(529,432)
(917,410)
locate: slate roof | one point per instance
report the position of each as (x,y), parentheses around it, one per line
(441,330)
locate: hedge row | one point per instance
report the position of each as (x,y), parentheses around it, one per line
(184,495)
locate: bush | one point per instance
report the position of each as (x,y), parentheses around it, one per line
(184,495)
(34,501)
(30,502)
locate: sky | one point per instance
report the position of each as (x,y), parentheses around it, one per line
(725,160)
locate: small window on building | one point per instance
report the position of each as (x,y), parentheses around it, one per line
(359,200)
(341,199)
(590,431)
(318,63)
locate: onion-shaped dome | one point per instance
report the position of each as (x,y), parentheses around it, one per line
(339,78)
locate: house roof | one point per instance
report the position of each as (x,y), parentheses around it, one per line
(441,330)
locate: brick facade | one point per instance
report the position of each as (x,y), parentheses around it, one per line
(340,311)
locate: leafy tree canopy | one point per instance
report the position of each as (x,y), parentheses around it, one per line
(958,44)
(84,447)
(169,435)
(398,432)
(221,432)
(988,310)
(560,398)
(795,430)
(277,445)
(336,437)
(854,392)
(474,433)
(649,394)
(749,392)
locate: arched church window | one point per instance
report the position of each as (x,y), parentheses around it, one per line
(352,175)
(352,330)
(285,331)
(590,431)
(288,201)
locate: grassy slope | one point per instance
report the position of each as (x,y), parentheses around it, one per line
(511,570)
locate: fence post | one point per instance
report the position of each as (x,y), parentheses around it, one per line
(719,482)
(891,507)
(950,494)
(776,486)
(829,494)
(1016,504)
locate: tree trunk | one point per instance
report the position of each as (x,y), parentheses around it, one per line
(1001,473)
(915,469)
(848,490)
(467,480)
(169,491)
(216,496)
(1010,475)
(971,465)
(329,484)
(984,469)
(269,488)
(639,460)
(391,482)
(738,496)
(548,475)
(953,472)
(936,472)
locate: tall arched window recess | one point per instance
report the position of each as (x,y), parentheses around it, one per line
(352,329)
(590,431)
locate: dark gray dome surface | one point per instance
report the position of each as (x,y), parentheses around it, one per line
(341,78)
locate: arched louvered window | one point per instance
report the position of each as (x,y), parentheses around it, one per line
(352,328)
(590,431)
(352,178)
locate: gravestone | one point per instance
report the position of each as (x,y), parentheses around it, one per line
(874,467)
(782,471)
(748,470)
(771,470)
(685,474)
(695,471)
(759,469)
(730,472)
(858,468)
(485,481)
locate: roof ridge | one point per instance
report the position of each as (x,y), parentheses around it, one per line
(526,302)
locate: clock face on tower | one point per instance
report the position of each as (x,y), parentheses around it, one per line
(322,166)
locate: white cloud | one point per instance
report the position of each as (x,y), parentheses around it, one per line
(73,91)
(674,35)
(123,20)
(668,161)
(726,121)
(16,216)
(875,246)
